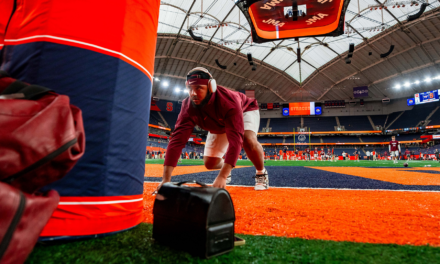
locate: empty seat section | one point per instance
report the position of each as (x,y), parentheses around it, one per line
(352,123)
(374,139)
(407,137)
(320,123)
(284,124)
(171,118)
(263,123)
(379,120)
(341,139)
(270,139)
(391,117)
(155,118)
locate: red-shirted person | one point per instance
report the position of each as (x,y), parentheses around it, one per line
(232,120)
(334,158)
(394,149)
(315,153)
(307,153)
(356,154)
(407,154)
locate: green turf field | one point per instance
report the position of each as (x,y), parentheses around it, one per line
(137,246)
(340,163)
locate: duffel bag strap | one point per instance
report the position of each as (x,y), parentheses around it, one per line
(30,92)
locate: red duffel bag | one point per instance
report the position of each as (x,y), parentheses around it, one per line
(22,218)
(42,135)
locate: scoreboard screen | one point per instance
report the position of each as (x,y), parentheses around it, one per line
(299,108)
(426,97)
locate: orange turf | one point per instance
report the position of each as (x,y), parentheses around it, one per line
(339,215)
(395,175)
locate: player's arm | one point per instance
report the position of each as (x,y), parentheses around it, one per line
(183,129)
(398,145)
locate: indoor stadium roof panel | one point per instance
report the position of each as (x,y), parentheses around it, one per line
(322,66)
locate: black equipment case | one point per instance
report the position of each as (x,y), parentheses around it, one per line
(199,220)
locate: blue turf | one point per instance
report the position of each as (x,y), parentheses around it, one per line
(280,176)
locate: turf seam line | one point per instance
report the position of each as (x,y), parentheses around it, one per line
(337,189)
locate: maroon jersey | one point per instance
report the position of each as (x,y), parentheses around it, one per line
(307,150)
(407,152)
(394,145)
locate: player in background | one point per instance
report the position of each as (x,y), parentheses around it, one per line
(334,158)
(373,153)
(437,155)
(315,153)
(329,154)
(307,153)
(394,148)
(296,154)
(356,154)
(408,154)
(322,154)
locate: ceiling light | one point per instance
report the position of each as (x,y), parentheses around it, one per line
(165,84)
(417,82)
(407,84)
(177,90)
(156,79)
(398,86)
(428,80)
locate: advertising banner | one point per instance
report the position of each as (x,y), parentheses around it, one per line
(361,91)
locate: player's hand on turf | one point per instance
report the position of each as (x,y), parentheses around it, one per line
(219,182)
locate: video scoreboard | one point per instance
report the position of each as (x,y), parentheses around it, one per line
(301,109)
(426,97)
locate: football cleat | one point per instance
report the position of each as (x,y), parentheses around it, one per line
(262,181)
(229,179)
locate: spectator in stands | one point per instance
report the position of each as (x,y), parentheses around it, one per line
(232,120)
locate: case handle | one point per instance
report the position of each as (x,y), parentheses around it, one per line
(193,181)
